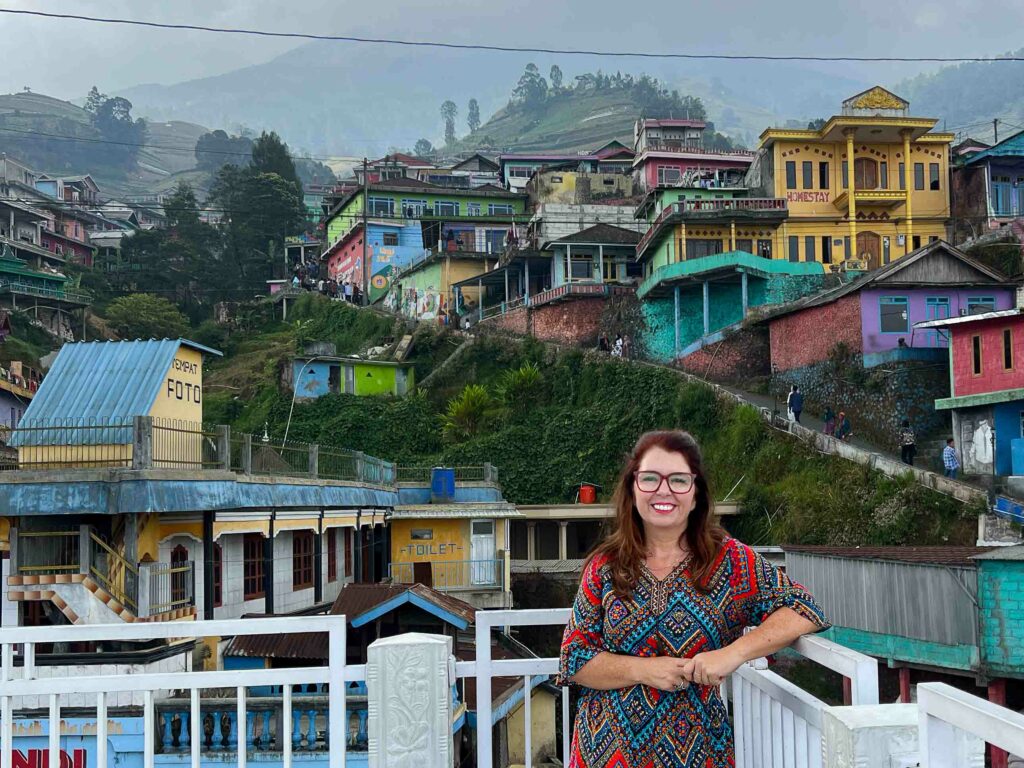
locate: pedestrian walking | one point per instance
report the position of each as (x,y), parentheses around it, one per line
(908,443)
(843,429)
(795,401)
(949,459)
(627,347)
(348,290)
(830,421)
(617,346)
(602,343)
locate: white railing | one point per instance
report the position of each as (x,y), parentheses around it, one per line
(152,684)
(776,722)
(946,714)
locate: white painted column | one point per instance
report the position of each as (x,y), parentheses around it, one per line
(409,682)
(531,540)
(563,543)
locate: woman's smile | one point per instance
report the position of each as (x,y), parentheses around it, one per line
(663,507)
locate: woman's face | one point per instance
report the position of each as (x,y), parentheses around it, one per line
(664,508)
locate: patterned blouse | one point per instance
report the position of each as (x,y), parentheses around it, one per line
(642,727)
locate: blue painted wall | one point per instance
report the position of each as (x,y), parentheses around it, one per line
(410,245)
(1007,423)
(463,494)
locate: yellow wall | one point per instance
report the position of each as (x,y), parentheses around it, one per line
(451,540)
(542,734)
(180,395)
(5,534)
(149,537)
(36,457)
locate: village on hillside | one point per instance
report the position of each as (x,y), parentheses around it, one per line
(176,502)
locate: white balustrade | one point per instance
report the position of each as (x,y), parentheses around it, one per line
(953,725)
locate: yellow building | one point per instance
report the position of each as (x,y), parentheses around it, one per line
(869,186)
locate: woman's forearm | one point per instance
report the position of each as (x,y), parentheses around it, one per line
(608,671)
(779,630)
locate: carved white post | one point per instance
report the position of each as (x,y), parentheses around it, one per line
(409,693)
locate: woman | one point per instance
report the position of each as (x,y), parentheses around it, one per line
(908,443)
(830,421)
(843,429)
(659,617)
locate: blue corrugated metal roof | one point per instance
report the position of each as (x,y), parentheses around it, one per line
(1012,146)
(101,383)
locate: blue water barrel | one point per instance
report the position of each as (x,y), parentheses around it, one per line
(442,485)
(1017,455)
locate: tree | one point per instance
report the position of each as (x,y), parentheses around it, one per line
(556,77)
(423,148)
(448,113)
(145,316)
(94,100)
(469,413)
(182,207)
(473,120)
(125,136)
(816,125)
(217,148)
(532,89)
(270,155)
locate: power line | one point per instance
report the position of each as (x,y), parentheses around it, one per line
(499,48)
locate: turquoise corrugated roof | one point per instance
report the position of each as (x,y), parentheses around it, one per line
(1012,146)
(100,383)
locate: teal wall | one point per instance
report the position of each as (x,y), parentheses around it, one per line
(1001,602)
(906,649)
(726,308)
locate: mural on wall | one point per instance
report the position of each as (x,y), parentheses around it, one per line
(975,446)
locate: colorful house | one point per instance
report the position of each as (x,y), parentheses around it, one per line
(517,168)
(869,186)
(670,152)
(332,375)
(45,292)
(407,219)
(428,289)
(986,373)
(988,187)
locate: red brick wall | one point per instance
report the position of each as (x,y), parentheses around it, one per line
(741,356)
(514,322)
(806,337)
(574,322)
(994,376)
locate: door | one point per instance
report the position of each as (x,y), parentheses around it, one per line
(869,249)
(401,382)
(482,552)
(865,173)
(350,380)
(936,308)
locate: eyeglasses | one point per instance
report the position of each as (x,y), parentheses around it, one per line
(678,482)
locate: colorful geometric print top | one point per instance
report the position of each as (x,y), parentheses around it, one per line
(642,727)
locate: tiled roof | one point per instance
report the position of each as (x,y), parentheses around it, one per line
(923,555)
(106,382)
(603,233)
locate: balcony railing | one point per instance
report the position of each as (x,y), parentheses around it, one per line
(477,473)
(947,714)
(658,145)
(454,575)
(269,711)
(166,588)
(778,205)
(27,289)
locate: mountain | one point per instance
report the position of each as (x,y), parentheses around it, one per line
(329,99)
(969,96)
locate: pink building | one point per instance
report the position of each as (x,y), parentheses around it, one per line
(672,153)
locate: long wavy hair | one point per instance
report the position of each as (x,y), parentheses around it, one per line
(624,549)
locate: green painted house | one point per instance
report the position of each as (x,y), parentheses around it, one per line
(330,375)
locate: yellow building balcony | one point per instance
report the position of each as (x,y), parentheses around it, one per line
(877,198)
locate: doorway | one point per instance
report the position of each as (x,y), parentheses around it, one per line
(865,173)
(482,551)
(869,249)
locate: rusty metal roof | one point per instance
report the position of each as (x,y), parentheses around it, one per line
(354,601)
(922,555)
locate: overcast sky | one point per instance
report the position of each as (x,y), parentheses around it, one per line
(64,58)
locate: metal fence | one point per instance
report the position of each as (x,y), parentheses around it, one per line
(116,575)
(479,473)
(166,587)
(48,552)
(185,445)
(452,576)
(62,443)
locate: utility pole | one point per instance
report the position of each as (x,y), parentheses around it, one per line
(366,235)
(995,131)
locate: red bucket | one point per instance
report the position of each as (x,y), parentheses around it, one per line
(588,494)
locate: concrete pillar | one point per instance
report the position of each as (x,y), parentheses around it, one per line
(409,681)
(997,757)
(506,285)
(675,324)
(707,308)
(744,293)
(682,242)
(568,263)
(563,540)
(851,190)
(600,263)
(526,291)
(480,297)
(142,448)
(732,235)
(224,446)
(880,734)
(908,183)
(531,540)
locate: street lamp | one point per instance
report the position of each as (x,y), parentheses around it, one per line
(295,389)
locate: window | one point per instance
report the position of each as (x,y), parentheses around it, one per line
(883,175)
(846,175)
(918,175)
(302,559)
(809,249)
(380,206)
(903,176)
(332,554)
(808,174)
(519,172)
(976,354)
(915,242)
(472,209)
(790,174)
(347,532)
(977,304)
(933,176)
(413,209)
(1007,349)
(390,238)
(823,175)
(669,175)
(893,314)
(446,208)
(252,576)
(826,250)
(582,269)
(557,179)
(496,210)
(422,534)
(794,248)
(218,576)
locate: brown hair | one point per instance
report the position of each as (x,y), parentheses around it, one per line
(624,549)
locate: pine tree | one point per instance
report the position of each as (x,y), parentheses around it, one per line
(473,119)
(270,155)
(448,113)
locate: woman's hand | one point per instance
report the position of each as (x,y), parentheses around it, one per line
(714,666)
(666,673)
